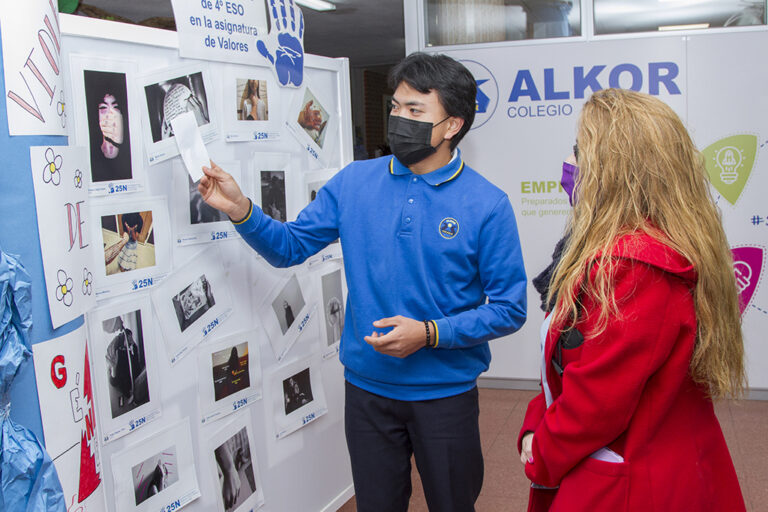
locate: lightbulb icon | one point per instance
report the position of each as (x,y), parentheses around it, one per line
(729,159)
(743,273)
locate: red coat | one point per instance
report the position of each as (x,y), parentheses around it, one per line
(630,389)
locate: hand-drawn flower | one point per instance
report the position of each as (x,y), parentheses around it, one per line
(64,290)
(78,179)
(87,282)
(61,110)
(51,172)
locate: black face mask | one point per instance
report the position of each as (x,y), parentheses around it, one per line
(410,140)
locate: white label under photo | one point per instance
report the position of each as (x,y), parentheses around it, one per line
(253,104)
(285,315)
(194,221)
(124,348)
(136,246)
(298,397)
(156,473)
(107,122)
(168,93)
(229,375)
(192,303)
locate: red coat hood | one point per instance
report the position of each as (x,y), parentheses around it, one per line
(643,247)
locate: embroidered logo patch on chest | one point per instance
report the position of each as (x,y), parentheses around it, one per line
(449,228)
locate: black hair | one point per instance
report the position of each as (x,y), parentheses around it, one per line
(134,219)
(455,86)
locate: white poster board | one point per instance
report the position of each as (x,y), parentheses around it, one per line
(107,123)
(156,473)
(34,82)
(192,303)
(229,375)
(60,175)
(298,398)
(68,415)
(124,350)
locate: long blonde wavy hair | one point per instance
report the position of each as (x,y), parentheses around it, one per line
(640,171)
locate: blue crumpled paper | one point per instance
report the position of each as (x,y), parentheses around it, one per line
(28,479)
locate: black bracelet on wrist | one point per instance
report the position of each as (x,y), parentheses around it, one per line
(250,210)
(428,343)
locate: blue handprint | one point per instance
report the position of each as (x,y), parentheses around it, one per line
(288,23)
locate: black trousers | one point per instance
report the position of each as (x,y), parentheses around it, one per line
(442,435)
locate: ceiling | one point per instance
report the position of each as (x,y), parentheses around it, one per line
(369,32)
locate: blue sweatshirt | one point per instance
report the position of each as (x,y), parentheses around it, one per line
(441,246)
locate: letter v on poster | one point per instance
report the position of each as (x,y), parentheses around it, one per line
(34,83)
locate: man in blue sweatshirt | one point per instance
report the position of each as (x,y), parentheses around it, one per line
(434,270)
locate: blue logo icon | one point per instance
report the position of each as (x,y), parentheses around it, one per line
(487,98)
(449,228)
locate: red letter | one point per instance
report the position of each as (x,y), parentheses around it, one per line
(58,372)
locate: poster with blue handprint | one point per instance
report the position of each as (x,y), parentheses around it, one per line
(61,175)
(284,47)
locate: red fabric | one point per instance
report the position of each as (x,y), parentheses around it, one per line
(630,389)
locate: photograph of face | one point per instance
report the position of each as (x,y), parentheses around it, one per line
(155,474)
(128,241)
(235,470)
(230,371)
(106,98)
(192,302)
(169,98)
(313,118)
(252,103)
(297,391)
(126,362)
(333,302)
(199,211)
(273,195)
(288,304)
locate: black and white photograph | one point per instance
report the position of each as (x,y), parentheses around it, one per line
(235,470)
(297,391)
(155,474)
(106,98)
(273,200)
(230,369)
(199,211)
(297,394)
(313,188)
(107,112)
(333,306)
(288,304)
(313,118)
(169,98)
(124,365)
(192,302)
(126,362)
(252,99)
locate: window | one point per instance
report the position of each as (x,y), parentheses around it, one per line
(622,16)
(451,22)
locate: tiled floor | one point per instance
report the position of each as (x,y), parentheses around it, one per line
(506,488)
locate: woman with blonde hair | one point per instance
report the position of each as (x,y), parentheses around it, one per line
(252,107)
(645,328)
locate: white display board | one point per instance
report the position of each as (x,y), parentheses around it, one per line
(281,462)
(526,123)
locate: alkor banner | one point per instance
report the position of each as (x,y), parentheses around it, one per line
(529,99)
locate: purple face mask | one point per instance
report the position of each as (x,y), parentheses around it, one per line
(568,180)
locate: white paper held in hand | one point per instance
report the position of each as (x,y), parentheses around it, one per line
(191,145)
